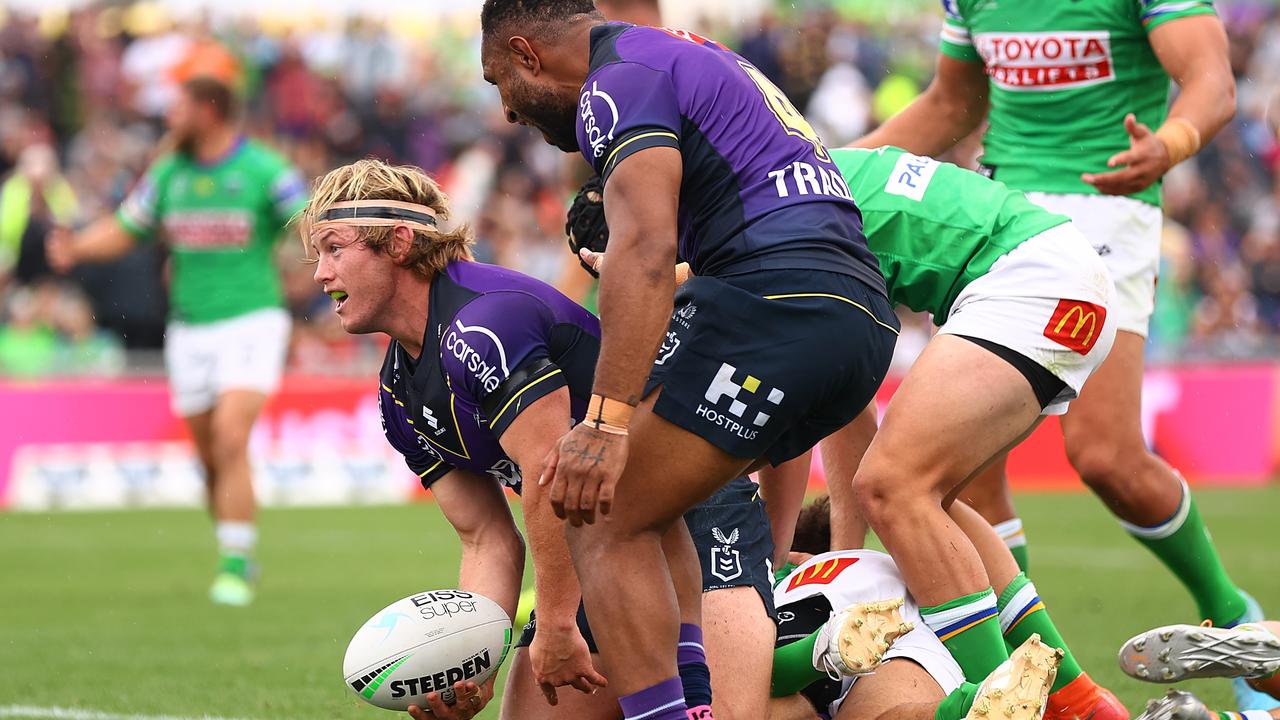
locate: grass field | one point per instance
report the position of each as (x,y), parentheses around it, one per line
(106,612)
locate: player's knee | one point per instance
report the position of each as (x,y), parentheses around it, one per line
(875,494)
(1098,461)
(229,444)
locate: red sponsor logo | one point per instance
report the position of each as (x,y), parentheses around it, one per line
(1046,61)
(690,36)
(822,573)
(1076,325)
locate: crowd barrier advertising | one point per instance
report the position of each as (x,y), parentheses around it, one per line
(115,443)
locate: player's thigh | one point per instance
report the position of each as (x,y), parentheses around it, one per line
(738,635)
(988,492)
(959,406)
(668,471)
(897,682)
(233,416)
(791,707)
(1110,404)
(522,699)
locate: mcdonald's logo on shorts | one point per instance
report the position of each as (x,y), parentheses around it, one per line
(822,573)
(1076,325)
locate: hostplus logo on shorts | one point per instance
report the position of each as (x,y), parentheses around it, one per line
(732,416)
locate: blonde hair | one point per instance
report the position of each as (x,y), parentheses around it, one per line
(372,179)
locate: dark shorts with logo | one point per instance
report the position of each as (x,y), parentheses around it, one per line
(731,532)
(767,364)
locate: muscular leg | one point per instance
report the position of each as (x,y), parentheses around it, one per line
(791,707)
(739,638)
(1103,435)
(783,489)
(201,428)
(842,452)
(989,494)
(958,408)
(626,582)
(233,418)
(523,700)
(686,578)
(899,690)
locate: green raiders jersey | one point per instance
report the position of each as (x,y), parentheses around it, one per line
(221,221)
(933,226)
(1063,75)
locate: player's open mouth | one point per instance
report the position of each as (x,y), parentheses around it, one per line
(338,297)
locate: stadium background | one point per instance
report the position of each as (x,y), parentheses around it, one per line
(105,610)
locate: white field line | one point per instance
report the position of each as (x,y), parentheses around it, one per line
(61,713)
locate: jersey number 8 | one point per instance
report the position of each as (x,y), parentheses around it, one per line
(790,118)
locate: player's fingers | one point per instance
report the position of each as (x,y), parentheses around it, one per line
(549,465)
(604,502)
(587,502)
(437,707)
(596,678)
(582,685)
(1123,158)
(418,713)
(592,258)
(549,692)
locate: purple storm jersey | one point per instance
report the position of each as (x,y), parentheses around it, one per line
(759,190)
(496,341)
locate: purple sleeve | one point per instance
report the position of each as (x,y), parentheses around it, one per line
(624,108)
(417,452)
(490,338)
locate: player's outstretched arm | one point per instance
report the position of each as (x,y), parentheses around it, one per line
(1193,50)
(636,296)
(102,241)
(559,655)
(953,106)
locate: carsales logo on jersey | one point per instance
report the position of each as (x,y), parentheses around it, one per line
(1046,60)
(598,110)
(480,365)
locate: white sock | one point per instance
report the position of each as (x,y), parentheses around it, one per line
(236,538)
(1256,715)
(1011,532)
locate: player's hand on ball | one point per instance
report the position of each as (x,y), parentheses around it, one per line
(561,657)
(58,249)
(583,471)
(471,699)
(592,260)
(1145,162)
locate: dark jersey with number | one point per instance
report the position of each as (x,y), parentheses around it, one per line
(759,190)
(496,341)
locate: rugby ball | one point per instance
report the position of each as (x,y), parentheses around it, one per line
(425,643)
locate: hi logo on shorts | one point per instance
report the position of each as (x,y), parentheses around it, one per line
(1076,325)
(723,386)
(726,562)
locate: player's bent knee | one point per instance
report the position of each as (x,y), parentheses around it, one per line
(885,497)
(1098,462)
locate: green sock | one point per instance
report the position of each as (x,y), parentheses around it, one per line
(970,628)
(956,705)
(1011,532)
(1182,543)
(793,668)
(234,564)
(1022,614)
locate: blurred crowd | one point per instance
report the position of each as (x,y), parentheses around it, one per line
(82,97)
